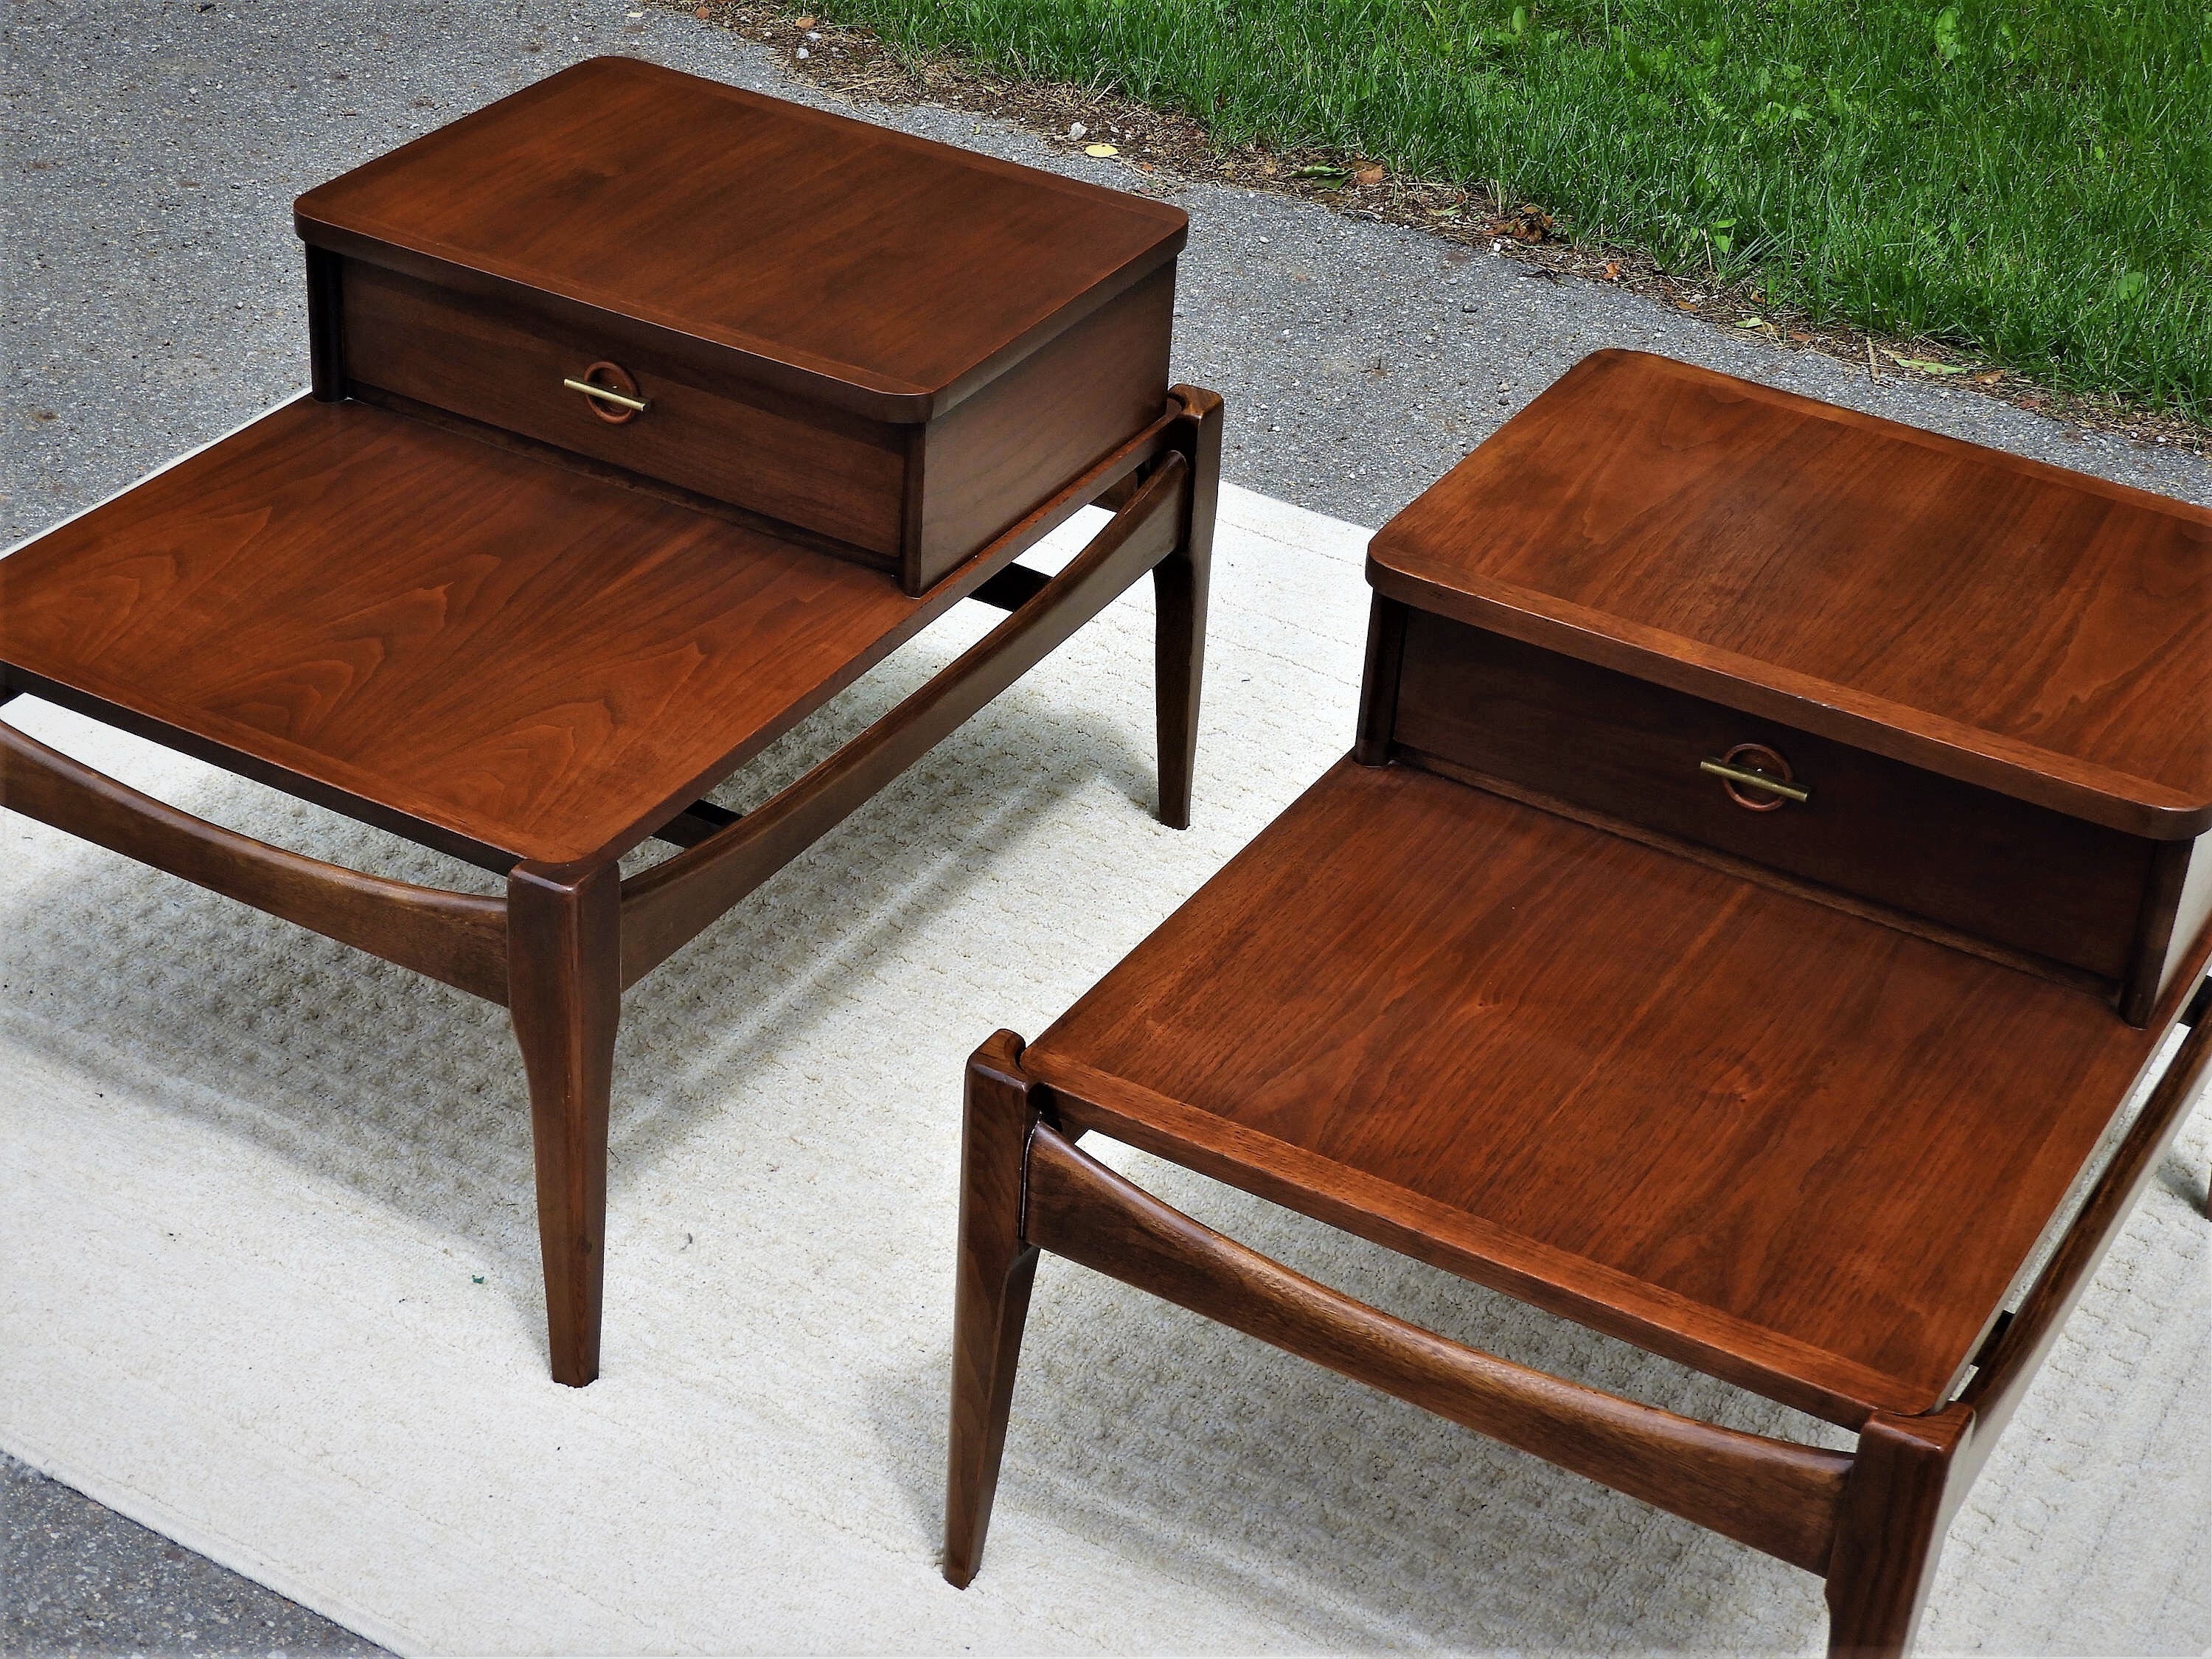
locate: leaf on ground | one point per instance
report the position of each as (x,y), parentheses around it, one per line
(1925,365)
(1750,322)
(1802,338)
(1685,305)
(1989,377)
(802,22)
(1529,224)
(1370,174)
(1612,273)
(1100,149)
(1322,172)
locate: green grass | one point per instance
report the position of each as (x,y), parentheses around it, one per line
(2029,182)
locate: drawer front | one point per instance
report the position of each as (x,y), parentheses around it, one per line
(1018,441)
(2016,874)
(822,469)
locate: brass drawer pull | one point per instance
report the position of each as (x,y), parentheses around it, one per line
(1754,766)
(612,392)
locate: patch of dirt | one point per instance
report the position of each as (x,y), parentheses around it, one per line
(1162,151)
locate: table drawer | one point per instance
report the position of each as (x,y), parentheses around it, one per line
(2001,869)
(821,469)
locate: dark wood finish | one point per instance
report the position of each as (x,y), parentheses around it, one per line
(564,990)
(2165,923)
(817,468)
(1890,1530)
(621,386)
(507,658)
(829,257)
(1378,684)
(2010,739)
(1765,876)
(2028,1337)
(1364,1015)
(991,1296)
(456,598)
(994,456)
(901,345)
(1437,973)
(668,905)
(1871,1523)
(1181,584)
(1770,1494)
(1787,1086)
(2037,880)
(538,665)
(1774,555)
(456,937)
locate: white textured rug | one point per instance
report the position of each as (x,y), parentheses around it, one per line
(268,1281)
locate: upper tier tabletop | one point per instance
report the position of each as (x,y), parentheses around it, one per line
(894,275)
(514,661)
(2032,630)
(1794,1148)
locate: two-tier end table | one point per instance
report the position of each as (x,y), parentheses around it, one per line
(648,414)
(1774,854)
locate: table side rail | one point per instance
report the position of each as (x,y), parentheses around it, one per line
(2011,1363)
(458,938)
(1775,1495)
(665,907)
(1911,1474)
(1784,1369)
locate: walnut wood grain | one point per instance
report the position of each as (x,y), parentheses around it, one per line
(798,249)
(804,464)
(446,596)
(2020,875)
(1743,869)
(1773,1495)
(1511,991)
(1006,447)
(456,938)
(487,651)
(1771,554)
(1890,1530)
(1790,1147)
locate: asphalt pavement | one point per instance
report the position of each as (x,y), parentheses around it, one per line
(153,300)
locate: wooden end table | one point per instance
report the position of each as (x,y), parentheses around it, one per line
(648,415)
(1676,954)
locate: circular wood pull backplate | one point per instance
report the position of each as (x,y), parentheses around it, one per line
(614,377)
(1758,758)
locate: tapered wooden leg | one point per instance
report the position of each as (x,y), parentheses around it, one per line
(564,988)
(991,1297)
(1180,582)
(1890,1531)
